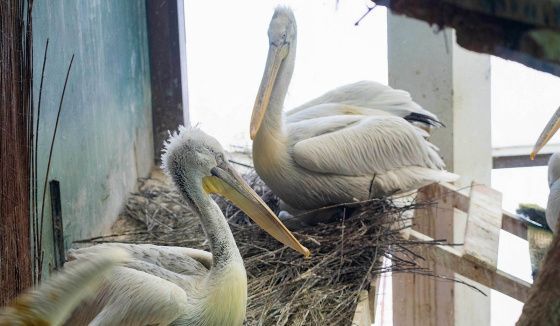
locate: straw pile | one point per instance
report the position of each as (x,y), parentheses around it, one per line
(284,289)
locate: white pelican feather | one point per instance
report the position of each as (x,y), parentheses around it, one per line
(358,141)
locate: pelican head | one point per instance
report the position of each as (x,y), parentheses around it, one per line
(282,35)
(196,162)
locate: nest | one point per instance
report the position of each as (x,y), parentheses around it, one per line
(284,288)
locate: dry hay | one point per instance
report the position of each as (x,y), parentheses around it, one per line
(284,288)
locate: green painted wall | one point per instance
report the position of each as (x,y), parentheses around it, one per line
(104,139)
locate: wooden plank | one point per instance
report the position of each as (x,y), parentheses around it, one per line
(362,314)
(484,221)
(15,112)
(510,222)
(513,225)
(451,258)
(427,300)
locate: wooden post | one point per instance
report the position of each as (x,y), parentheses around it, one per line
(15,90)
(420,300)
(166,72)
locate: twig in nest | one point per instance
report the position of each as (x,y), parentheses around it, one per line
(285,289)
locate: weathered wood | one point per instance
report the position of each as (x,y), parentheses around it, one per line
(373,297)
(539,13)
(165,63)
(513,225)
(524,34)
(484,221)
(425,300)
(15,109)
(451,258)
(510,222)
(57,224)
(362,314)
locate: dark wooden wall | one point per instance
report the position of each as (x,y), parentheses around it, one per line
(165,63)
(15,88)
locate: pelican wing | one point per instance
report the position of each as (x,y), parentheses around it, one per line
(375,96)
(172,258)
(358,145)
(332,109)
(133,297)
(152,287)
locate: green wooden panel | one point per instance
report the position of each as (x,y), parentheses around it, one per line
(104,140)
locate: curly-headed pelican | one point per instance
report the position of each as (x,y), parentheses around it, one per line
(182,286)
(553,204)
(55,299)
(358,141)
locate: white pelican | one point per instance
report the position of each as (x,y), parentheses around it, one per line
(163,285)
(355,142)
(553,204)
(53,301)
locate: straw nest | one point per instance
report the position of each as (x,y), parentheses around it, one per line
(284,288)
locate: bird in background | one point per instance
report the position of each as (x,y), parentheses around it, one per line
(355,142)
(52,302)
(163,285)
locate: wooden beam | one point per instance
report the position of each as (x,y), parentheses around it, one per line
(451,258)
(426,300)
(362,314)
(530,41)
(519,161)
(165,64)
(15,114)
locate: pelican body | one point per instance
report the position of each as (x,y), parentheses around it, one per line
(356,142)
(162,285)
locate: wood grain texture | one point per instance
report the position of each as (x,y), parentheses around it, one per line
(525,31)
(420,300)
(451,258)
(15,86)
(484,222)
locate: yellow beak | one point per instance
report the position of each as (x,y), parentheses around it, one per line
(276,55)
(551,127)
(226,182)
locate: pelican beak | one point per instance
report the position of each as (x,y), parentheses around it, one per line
(551,127)
(276,54)
(226,182)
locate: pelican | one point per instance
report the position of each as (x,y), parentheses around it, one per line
(553,204)
(182,286)
(356,142)
(54,300)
